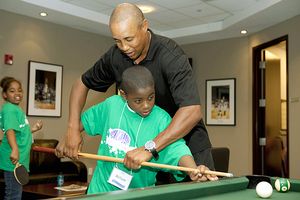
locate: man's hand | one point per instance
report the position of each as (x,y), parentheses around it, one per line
(135,157)
(70,145)
(199,175)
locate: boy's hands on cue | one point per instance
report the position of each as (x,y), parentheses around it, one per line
(135,157)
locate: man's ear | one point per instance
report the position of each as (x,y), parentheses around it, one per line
(145,25)
(123,94)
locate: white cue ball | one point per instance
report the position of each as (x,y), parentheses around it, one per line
(264,189)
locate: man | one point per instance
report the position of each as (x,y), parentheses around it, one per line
(176,89)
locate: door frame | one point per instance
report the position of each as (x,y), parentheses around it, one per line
(258,113)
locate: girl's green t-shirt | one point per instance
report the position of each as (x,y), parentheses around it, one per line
(13,117)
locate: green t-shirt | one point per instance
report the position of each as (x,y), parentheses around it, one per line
(121,130)
(13,117)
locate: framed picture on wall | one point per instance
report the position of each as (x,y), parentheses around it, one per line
(44,89)
(220,102)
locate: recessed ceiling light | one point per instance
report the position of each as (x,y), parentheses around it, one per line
(244,31)
(43,14)
(146,9)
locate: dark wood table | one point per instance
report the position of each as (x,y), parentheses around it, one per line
(47,190)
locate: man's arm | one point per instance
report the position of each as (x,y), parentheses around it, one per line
(182,123)
(69,146)
(184,120)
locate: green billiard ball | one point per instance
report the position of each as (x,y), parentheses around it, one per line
(282,185)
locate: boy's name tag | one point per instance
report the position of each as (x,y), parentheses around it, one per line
(120,179)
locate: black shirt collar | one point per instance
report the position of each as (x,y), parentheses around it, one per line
(152,47)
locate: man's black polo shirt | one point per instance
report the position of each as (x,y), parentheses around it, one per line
(175,85)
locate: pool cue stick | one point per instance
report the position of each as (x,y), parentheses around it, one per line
(148,164)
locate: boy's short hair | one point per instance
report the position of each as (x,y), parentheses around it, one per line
(136,77)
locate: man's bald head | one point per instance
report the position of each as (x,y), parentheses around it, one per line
(127,11)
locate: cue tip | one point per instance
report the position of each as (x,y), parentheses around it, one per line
(225,174)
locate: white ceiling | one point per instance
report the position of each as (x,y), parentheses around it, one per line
(186,21)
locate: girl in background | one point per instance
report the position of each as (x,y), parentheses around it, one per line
(16,143)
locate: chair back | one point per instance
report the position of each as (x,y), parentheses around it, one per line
(221,158)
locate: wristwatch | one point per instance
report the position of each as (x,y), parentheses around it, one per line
(151,147)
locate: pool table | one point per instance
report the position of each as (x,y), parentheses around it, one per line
(226,188)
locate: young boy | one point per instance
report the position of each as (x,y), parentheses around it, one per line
(129,121)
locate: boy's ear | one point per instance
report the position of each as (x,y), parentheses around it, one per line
(123,94)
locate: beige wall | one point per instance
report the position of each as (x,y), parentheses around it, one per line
(228,59)
(30,39)
(233,58)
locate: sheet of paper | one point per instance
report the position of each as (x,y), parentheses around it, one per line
(72,187)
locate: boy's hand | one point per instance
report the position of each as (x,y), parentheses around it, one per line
(135,157)
(199,175)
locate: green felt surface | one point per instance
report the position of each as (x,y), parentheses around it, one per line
(229,188)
